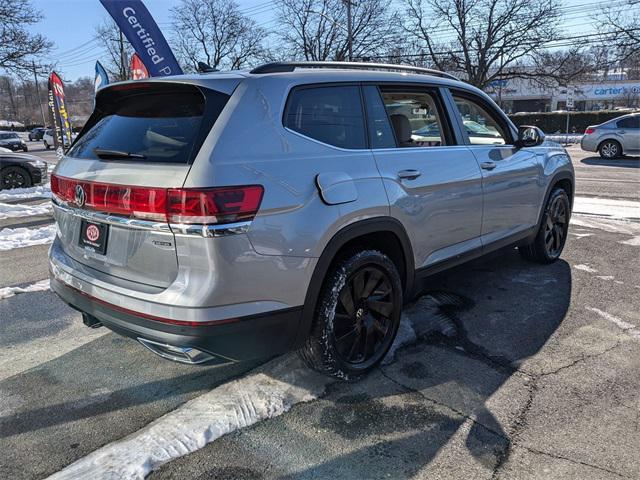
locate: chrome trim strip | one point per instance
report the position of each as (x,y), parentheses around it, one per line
(111,219)
(205,231)
(210,231)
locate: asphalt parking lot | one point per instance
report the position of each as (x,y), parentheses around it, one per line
(505,370)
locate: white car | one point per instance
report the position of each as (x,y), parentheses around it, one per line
(47,139)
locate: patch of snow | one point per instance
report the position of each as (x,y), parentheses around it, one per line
(607,225)
(607,207)
(585,268)
(11,238)
(20,193)
(406,335)
(605,277)
(40,286)
(267,393)
(10,210)
(629,328)
(635,241)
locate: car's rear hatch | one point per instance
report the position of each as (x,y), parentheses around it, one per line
(111,189)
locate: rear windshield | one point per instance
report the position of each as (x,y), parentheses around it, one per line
(163,123)
(7,136)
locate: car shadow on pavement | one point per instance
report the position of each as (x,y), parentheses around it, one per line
(624,162)
(460,386)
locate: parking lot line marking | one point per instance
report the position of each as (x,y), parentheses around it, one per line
(629,328)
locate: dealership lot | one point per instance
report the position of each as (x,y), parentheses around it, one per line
(507,370)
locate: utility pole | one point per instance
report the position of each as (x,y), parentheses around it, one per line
(35,77)
(123,60)
(349,4)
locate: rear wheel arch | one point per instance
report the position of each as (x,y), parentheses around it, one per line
(385,234)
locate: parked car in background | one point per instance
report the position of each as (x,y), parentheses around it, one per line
(47,139)
(36,134)
(12,141)
(175,230)
(615,138)
(18,170)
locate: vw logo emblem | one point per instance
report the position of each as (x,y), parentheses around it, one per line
(80,196)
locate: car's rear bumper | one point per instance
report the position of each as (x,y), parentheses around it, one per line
(235,339)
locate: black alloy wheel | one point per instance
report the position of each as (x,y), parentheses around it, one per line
(14,177)
(357,315)
(363,316)
(555,228)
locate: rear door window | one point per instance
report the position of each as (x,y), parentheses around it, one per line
(415,117)
(329,114)
(161,123)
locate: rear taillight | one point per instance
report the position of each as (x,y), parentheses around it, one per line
(173,205)
(589,130)
(214,205)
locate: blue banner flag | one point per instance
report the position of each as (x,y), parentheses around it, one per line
(137,24)
(102,78)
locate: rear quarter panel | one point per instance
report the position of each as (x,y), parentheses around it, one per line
(249,145)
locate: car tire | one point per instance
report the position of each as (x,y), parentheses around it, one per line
(25,149)
(552,234)
(357,316)
(610,149)
(14,177)
(46,145)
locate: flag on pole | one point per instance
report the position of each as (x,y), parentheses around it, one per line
(137,24)
(138,70)
(59,114)
(102,78)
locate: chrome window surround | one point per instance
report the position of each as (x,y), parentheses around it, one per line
(205,231)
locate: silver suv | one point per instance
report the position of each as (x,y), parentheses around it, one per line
(229,216)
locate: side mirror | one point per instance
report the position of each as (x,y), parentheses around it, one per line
(529,136)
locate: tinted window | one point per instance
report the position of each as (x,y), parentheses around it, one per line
(330,115)
(8,136)
(380,133)
(164,126)
(629,122)
(481,126)
(415,118)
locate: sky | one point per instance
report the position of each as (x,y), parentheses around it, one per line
(71,24)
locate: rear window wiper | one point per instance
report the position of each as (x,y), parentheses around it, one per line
(107,154)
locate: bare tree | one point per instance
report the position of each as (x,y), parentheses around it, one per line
(118,50)
(619,27)
(216,32)
(483,40)
(317,29)
(19,48)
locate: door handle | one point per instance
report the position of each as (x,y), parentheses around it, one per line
(409,174)
(488,165)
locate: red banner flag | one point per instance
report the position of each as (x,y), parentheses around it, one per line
(138,70)
(59,115)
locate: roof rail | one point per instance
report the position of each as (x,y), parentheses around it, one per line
(281,67)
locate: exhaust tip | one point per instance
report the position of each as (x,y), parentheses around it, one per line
(186,355)
(91,321)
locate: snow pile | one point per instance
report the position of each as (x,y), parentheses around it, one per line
(269,392)
(10,210)
(11,238)
(40,286)
(20,193)
(560,138)
(607,207)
